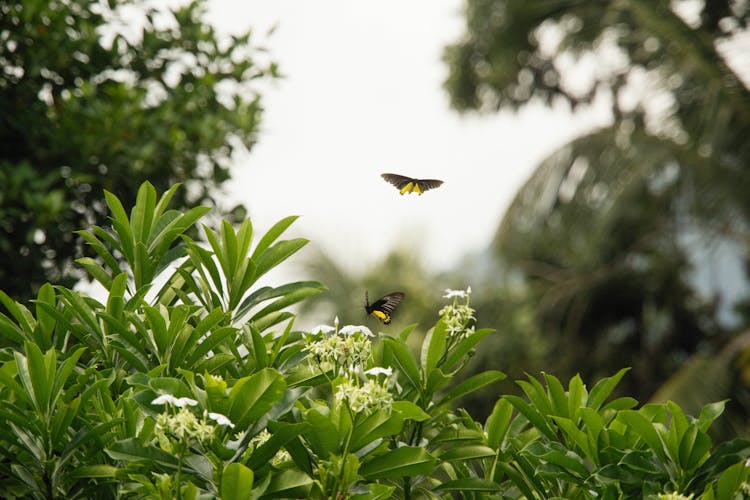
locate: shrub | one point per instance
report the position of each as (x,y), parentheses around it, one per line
(189,380)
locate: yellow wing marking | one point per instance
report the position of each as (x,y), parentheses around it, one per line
(384,317)
(408,188)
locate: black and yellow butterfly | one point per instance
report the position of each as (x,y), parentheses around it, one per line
(383,307)
(408,185)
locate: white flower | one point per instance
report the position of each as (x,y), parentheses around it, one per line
(182,402)
(221,419)
(352,329)
(322,329)
(379,370)
(164,399)
(178,402)
(449,294)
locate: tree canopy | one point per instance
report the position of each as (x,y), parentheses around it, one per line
(105,95)
(604,233)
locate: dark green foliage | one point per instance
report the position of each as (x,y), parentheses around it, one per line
(95,96)
(606,250)
(200,387)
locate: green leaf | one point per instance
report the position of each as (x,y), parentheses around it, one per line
(131,450)
(236,482)
(99,471)
(142,214)
(22,315)
(464,346)
(36,372)
(643,428)
(709,413)
(251,397)
(289,483)
(121,224)
(276,254)
(281,434)
(96,270)
(604,388)
(375,426)
(557,396)
(472,384)
(403,360)
(376,492)
(468,484)
(433,346)
(409,411)
(532,414)
(45,322)
(498,422)
(467,452)
(272,235)
(323,436)
(401,462)
(731,480)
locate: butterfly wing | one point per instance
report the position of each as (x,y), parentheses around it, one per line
(427,184)
(409,185)
(383,308)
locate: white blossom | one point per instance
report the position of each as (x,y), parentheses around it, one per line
(178,402)
(221,419)
(183,402)
(379,370)
(164,399)
(352,329)
(450,293)
(322,329)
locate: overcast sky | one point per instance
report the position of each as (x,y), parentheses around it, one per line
(362,96)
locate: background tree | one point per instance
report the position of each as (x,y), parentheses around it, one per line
(104,95)
(610,232)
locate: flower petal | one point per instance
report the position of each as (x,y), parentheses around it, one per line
(182,402)
(379,370)
(322,329)
(164,399)
(352,329)
(221,419)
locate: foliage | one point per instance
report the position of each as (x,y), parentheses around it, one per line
(616,236)
(105,95)
(190,381)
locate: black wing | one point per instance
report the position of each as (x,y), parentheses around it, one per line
(426,184)
(398,180)
(387,303)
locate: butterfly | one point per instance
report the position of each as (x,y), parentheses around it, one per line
(383,308)
(408,185)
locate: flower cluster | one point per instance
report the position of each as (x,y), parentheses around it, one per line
(347,352)
(347,349)
(183,425)
(366,397)
(457,317)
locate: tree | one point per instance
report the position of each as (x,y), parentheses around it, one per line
(104,95)
(604,231)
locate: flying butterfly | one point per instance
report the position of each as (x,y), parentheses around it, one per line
(383,307)
(408,185)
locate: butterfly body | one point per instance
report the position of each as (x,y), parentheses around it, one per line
(410,185)
(383,307)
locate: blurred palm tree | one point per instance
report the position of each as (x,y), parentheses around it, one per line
(615,236)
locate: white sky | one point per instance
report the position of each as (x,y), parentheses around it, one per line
(362,96)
